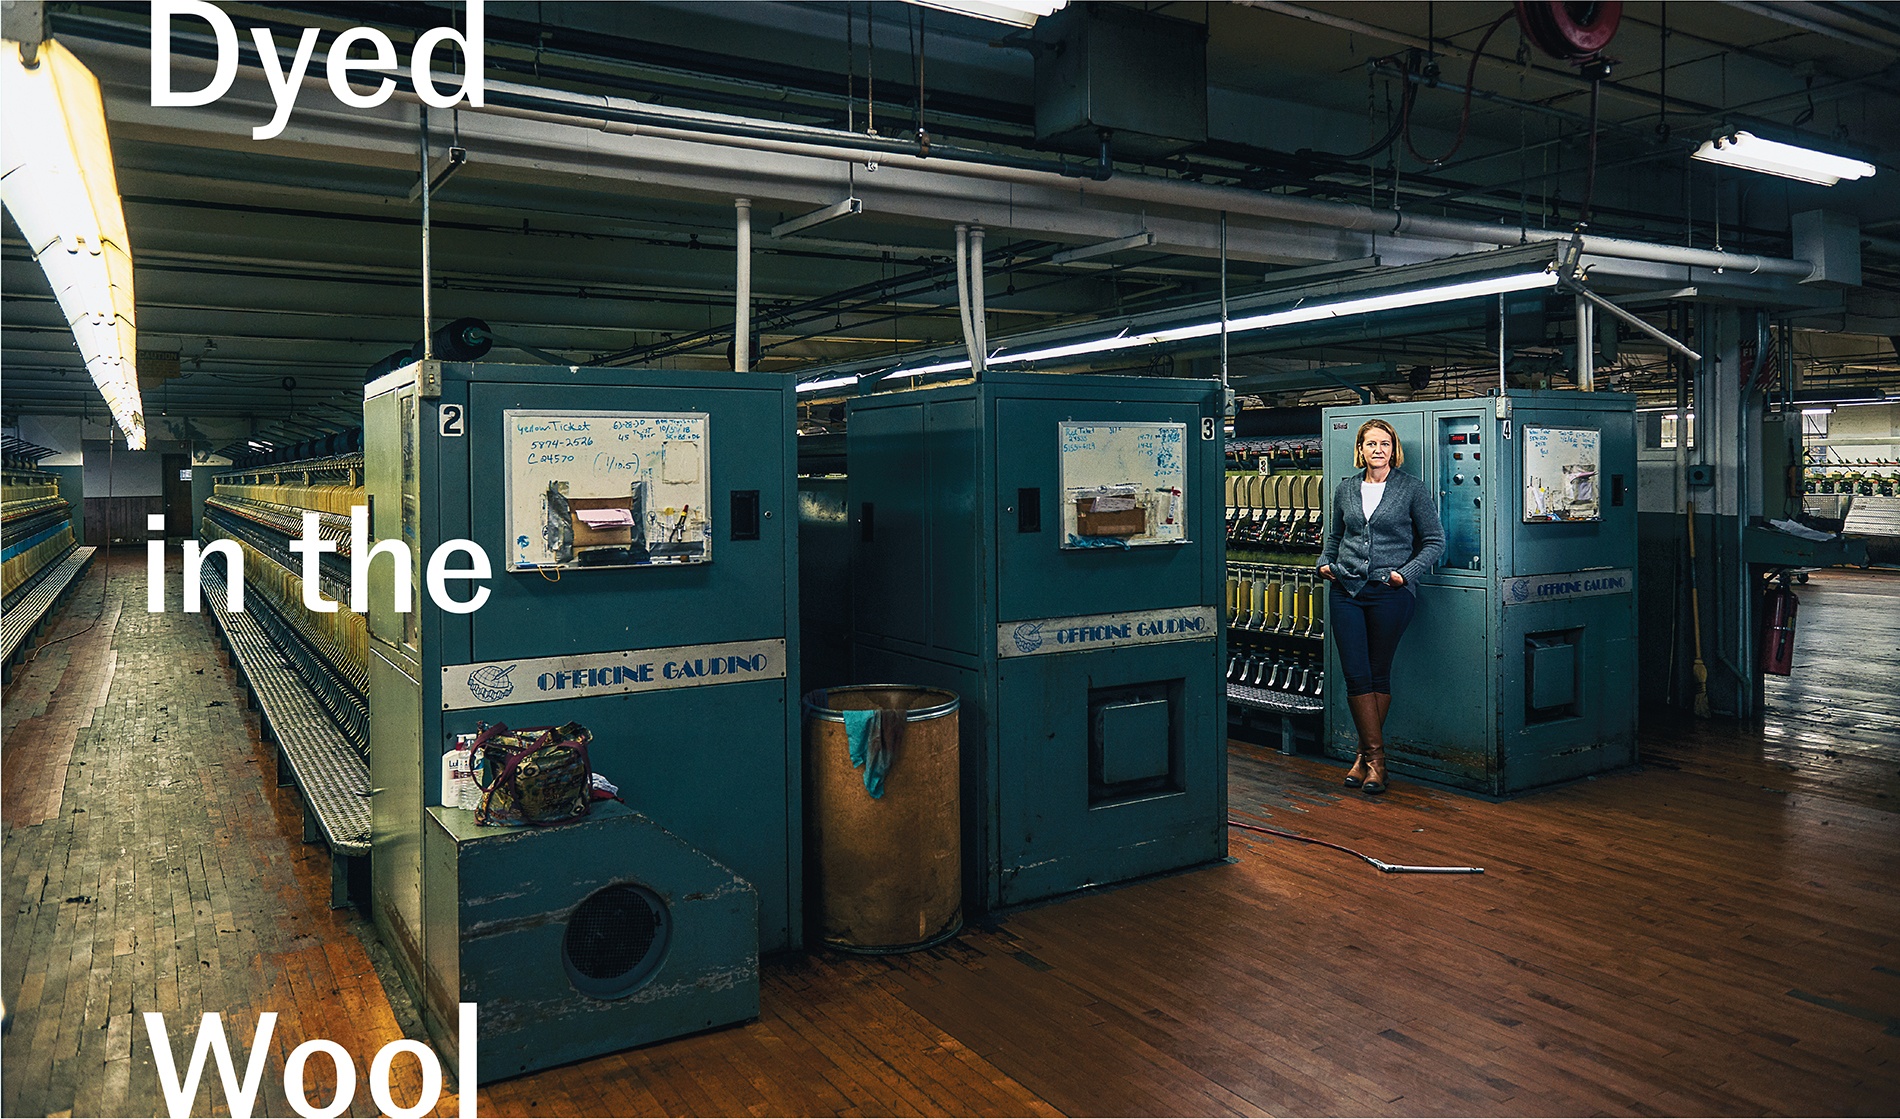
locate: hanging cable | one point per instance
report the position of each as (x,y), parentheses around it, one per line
(1391,133)
(1590,176)
(1389,868)
(1464,116)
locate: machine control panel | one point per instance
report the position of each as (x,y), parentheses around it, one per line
(1460,493)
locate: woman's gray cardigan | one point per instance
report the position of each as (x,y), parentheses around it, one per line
(1404,534)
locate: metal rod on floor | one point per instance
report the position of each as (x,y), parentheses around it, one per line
(1389,868)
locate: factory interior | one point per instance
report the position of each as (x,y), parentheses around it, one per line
(791,557)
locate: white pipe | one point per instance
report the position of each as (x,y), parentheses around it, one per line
(1223,309)
(1586,346)
(742,310)
(594,110)
(963,292)
(1138,188)
(980,325)
(428,315)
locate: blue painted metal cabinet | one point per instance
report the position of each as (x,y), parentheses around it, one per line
(1093,708)
(685,672)
(1519,669)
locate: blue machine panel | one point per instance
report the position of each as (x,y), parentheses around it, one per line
(1130,743)
(681,659)
(1092,713)
(1461,492)
(582,939)
(1529,624)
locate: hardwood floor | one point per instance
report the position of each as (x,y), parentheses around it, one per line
(1717,933)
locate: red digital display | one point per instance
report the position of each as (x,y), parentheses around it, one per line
(1458,437)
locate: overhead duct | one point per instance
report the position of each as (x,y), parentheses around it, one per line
(1113,69)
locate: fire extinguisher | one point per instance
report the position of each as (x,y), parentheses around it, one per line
(1777,630)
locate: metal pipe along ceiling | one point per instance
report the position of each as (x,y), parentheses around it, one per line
(627,116)
(623,115)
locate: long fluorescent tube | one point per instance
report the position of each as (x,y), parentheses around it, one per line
(829,383)
(57,181)
(1752,153)
(1386,301)
(1018,13)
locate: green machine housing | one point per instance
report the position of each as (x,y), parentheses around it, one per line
(1050,548)
(1531,610)
(640,532)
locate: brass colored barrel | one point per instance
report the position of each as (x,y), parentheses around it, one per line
(887,873)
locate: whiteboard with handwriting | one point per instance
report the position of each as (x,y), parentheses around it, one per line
(604,455)
(1560,474)
(1114,464)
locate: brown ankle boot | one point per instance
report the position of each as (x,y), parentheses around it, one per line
(1365,720)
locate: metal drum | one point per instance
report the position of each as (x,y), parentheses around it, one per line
(887,871)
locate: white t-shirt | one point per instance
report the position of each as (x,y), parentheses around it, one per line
(1370,494)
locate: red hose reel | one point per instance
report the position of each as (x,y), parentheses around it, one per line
(1573,31)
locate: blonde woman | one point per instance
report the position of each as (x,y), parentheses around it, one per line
(1383,535)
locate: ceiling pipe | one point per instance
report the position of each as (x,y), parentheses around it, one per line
(963,292)
(742,309)
(696,127)
(979,325)
(625,116)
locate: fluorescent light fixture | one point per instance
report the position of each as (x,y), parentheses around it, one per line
(1752,153)
(1138,241)
(1385,301)
(56,179)
(1019,13)
(832,212)
(1817,411)
(829,383)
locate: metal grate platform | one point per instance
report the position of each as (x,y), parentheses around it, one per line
(1274,701)
(325,765)
(34,602)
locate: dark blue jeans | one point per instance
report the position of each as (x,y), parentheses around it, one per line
(1367,629)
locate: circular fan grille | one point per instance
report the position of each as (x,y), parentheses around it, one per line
(615,940)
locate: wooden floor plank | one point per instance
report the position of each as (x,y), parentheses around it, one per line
(1716,932)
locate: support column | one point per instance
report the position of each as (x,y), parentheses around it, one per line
(742,303)
(1725,415)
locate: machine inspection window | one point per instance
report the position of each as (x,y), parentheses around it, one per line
(606,489)
(1123,484)
(1560,474)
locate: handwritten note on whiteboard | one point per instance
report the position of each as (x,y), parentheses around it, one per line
(1123,484)
(606,489)
(1560,474)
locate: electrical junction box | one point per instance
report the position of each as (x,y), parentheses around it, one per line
(640,530)
(1529,617)
(1051,549)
